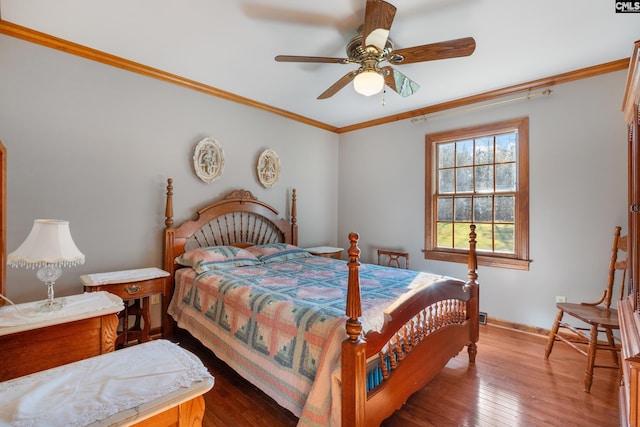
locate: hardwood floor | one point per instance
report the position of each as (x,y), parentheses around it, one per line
(511,384)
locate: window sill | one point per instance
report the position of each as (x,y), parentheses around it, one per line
(485,260)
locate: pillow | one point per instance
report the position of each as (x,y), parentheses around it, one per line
(275,252)
(216,258)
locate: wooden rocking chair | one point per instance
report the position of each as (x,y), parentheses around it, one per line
(598,315)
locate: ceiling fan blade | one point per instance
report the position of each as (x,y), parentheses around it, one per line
(399,82)
(429,52)
(323,59)
(378,17)
(345,80)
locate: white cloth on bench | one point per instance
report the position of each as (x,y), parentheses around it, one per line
(93,389)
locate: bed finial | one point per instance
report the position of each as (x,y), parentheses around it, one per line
(354,306)
(472,263)
(168,212)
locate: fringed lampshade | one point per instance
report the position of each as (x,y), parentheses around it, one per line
(49,247)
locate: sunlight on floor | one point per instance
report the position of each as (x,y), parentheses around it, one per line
(495,402)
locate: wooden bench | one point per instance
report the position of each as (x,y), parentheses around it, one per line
(152,384)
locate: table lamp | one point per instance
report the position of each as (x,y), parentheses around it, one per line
(49,247)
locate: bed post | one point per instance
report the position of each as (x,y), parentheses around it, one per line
(168,262)
(354,374)
(294,220)
(473,305)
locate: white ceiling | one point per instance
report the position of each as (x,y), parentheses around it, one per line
(231,45)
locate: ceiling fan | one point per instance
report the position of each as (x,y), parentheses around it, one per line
(372,46)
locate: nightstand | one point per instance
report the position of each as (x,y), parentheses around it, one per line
(134,287)
(326,251)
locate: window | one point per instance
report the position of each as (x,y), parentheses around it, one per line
(479,175)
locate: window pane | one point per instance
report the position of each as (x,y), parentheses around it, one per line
(483,209)
(506,177)
(446,155)
(461,238)
(445,208)
(484,150)
(505,209)
(504,238)
(464,153)
(444,237)
(462,209)
(445,181)
(464,180)
(506,147)
(484,178)
(484,237)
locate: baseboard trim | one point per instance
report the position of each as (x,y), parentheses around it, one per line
(518,326)
(542,332)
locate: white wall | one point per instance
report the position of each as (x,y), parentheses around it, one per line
(578,194)
(94,145)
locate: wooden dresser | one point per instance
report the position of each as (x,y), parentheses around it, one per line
(84,327)
(629,307)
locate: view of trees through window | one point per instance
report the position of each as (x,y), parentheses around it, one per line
(476,183)
(479,175)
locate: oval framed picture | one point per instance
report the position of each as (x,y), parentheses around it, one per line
(268,168)
(208,160)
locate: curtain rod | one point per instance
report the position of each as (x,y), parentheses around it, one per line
(504,101)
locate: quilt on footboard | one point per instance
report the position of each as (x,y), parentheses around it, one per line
(281,325)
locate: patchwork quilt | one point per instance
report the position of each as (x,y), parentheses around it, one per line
(281,325)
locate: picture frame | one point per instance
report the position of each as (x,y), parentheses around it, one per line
(208,160)
(268,168)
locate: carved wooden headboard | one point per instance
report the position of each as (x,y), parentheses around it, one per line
(238,219)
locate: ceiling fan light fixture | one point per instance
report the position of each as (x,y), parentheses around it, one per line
(371,47)
(368,83)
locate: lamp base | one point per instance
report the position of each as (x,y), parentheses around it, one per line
(49,305)
(49,274)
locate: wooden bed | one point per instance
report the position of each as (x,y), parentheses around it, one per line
(420,332)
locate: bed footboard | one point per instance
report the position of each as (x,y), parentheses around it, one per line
(419,336)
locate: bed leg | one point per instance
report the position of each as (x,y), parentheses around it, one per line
(472,349)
